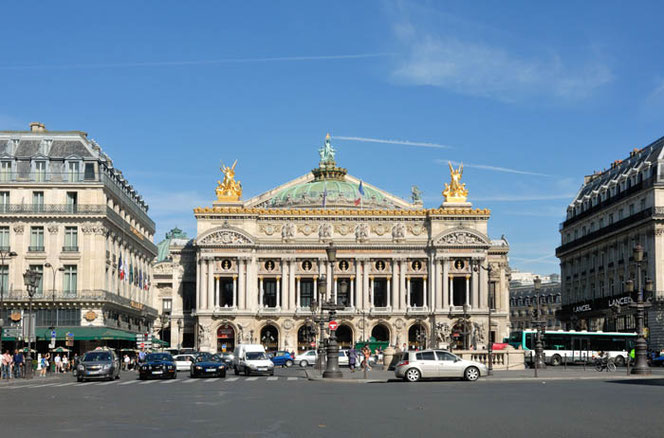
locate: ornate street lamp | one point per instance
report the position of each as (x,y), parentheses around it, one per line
(4,254)
(491,304)
(180,324)
(31,279)
(539,325)
(332,367)
(61,269)
(641,363)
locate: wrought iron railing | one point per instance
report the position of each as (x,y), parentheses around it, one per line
(52,208)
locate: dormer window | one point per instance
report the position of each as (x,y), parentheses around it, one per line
(40,171)
(73,171)
(5,171)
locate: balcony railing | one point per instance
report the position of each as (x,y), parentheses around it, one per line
(32,248)
(70,249)
(59,177)
(52,209)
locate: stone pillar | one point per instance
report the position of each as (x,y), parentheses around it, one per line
(199,283)
(394,300)
(403,298)
(441,288)
(260,292)
(204,285)
(358,283)
(352,291)
(284,284)
(467,289)
(298,300)
(242,284)
(294,294)
(371,292)
(366,291)
(425,291)
(389,293)
(217,297)
(235,291)
(278,292)
(407,292)
(451,283)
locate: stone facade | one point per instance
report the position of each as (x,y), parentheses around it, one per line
(523,304)
(67,212)
(401,270)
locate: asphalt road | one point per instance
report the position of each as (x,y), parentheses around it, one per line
(289,405)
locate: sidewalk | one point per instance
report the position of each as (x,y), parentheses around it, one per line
(379,375)
(51,377)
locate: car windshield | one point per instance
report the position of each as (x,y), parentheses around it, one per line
(97,357)
(158,357)
(182,358)
(215,358)
(256,356)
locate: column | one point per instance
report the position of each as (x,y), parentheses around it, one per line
(315,288)
(467,289)
(199,283)
(234,291)
(217,284)
(358,283)
(371,291)
(403,300)
(484,280)
(407,292)
(334,287)
(441,278)
(352,291)
(476,290)
(278,292)
(260,292)
(424,285)
(291,286)
(450,281)
(210,301)
(297,294)
(366,291)
(395,285)
(389,293)
(284,283)
(204,283)
(242,285)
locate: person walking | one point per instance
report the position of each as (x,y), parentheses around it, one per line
(18,364)
(58,363)
(352,358)
(125,360)
(44,365)
(6,364)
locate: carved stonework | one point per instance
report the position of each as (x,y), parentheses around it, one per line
(269,229)
(415,229)
(325,231)
(19,228)
(460,238)
(288,231)
(288,324)
(398,232)
(362,232)
(225,237)
(306,229)
(380,229)
(95,227)
(52,228)
(343,229)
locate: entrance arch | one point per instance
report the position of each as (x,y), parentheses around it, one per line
(270,338)
(305,336)
(381,333)
(417,336)
(225,338)
(344,336)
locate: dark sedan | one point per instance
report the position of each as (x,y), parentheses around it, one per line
(159,365)
(207,365)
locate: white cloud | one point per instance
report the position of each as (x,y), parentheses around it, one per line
(397,142)
(479,69)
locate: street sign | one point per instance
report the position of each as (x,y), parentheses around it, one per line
(333,325)
(313,344)
(11,332)
(53,334)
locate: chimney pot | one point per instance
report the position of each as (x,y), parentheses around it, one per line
(37,127)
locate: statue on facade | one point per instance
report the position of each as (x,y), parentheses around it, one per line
(228,189)
(455,191)
(327,152)
(203,335)
(415,195)
(478,333)
(325,231)
(398,231)
(444,333)
(362,232)
(288,231)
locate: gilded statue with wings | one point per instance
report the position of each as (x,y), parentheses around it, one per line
(455,191)
(229,189)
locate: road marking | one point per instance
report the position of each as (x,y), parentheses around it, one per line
(147,382)
(86,383)
(65,384)
(232,379)
(105,383)
(129,382)
(272,379)
(191,380)
(44,385)
(292,378)
(169,381)
(251,379)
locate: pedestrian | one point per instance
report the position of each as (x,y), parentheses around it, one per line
(6,364)
(44,365)
(58,363)
(18,364)
(46,359)
(126,361)
(141,356)
(352,357)
(366,353)
(405,347)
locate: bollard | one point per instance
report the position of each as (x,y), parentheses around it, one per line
(565,361)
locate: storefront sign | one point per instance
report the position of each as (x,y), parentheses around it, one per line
(90,316)
(15,316)
(582,308)
(620,301)
(136,305)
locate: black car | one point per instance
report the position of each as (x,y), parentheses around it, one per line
(159,365)
(206,365)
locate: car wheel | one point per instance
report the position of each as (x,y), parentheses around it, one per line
(413,375)
(619,361)
(272,373)
(175,376)
(236,371)
(80,379)
(471,374)
(289,363)
(556,360)
(247,372)
(223,374)
(304,364)
(141,377)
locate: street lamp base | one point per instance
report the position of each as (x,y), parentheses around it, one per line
(641,371)
(333,375)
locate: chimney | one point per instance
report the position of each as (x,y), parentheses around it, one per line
(37,127)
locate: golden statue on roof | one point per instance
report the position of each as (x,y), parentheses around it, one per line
(455,191)
(228,189)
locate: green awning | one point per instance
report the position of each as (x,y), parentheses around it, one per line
(86,334)
(156,341)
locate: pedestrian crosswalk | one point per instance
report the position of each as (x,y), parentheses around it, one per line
(187,381)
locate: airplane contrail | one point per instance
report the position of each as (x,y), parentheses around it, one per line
(494,168)
(399,142)
(200,62)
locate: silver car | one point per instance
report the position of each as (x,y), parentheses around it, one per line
(416,365)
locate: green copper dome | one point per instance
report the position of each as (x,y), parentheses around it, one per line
(340,193)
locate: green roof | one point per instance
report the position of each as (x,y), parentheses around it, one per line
(338,191)
(163,247)
(86,334)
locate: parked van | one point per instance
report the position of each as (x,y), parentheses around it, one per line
(252,359)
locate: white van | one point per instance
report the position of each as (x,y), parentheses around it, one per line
(252,359)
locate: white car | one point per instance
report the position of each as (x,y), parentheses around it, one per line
(307,358)
(183,361)
(416,365)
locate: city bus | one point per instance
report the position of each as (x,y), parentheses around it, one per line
(574,346)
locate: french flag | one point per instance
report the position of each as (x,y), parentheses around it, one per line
(121,268)
(360,189)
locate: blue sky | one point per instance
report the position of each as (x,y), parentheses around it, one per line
(530,97)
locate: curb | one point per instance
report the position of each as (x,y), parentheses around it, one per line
(320,379)
(563,378)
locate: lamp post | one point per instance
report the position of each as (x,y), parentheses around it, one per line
(466,323)
(163,319)
(539,324)
(641,363)
(4,254)
(491,304)
(420,335)
(332,367)
(31,279)
(180,324)
(316,305)
(61,269)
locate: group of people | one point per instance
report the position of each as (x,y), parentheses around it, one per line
(361,356)
(62,364)
(13,366)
